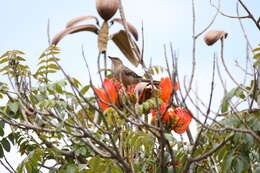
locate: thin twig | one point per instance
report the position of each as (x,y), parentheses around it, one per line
(226,69)
(243,28)
(211,22)
(193,50)
(226,15)
(6,167)
(250,14)
(9,164)
(212,151)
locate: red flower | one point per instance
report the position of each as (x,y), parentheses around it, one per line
(110,87)
(183,119)
(177,163)
(177,119)
(167,89)
(131,88)
(168,113)
(117,84)
(128,90)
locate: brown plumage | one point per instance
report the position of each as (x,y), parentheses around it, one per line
(126,75)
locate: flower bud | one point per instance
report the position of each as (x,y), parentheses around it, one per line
(107,8)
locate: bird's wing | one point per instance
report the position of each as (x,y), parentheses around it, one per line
(130,72)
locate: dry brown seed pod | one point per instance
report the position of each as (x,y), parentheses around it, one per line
(72,30)
(213,36)
(103,37)
(122,42)
(131,27)
(107,8)
(77,20)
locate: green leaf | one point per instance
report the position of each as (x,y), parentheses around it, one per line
(256,49)
(11,137)
(53,59)
(231,121)
(228,162)
(257,170)
(71,169)
(17,52)
(41,67)
(20,168)
(4,55)
(14,106)
(224,106)
(249,140)
(6,144)
(48,52)
(170,137)
(1,132)
(52,53)
(75,82)
(156,70)
(53,66)
(239,166)
(58,88)
(42,55)
(256,56)
(235,92)
(18,58)
(4,60)
(28,166)
(84,89)
(5,68)
(103,69)
(1,151)
(53,47)
(2,124)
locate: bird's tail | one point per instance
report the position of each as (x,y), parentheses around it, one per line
(155,82)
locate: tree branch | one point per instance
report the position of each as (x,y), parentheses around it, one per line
(204,156)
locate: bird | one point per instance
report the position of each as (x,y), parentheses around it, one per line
(126,75)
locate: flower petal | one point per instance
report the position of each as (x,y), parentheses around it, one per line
(106,95)
(111,89)
(102,96)
(162,109)
(166,89)
(184,119)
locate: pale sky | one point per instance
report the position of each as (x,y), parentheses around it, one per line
(24,27)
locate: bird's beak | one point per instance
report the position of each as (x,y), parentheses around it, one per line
(110,57)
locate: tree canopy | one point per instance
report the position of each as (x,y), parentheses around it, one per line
(65,126)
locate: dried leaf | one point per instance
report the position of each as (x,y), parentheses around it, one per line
(121,40)
(213,36)
(103,38)
(131,27)
(72,30)
(107,8)
(77,20)
(143,91)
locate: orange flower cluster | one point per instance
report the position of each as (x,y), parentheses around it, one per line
(178,117)
(110,92)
